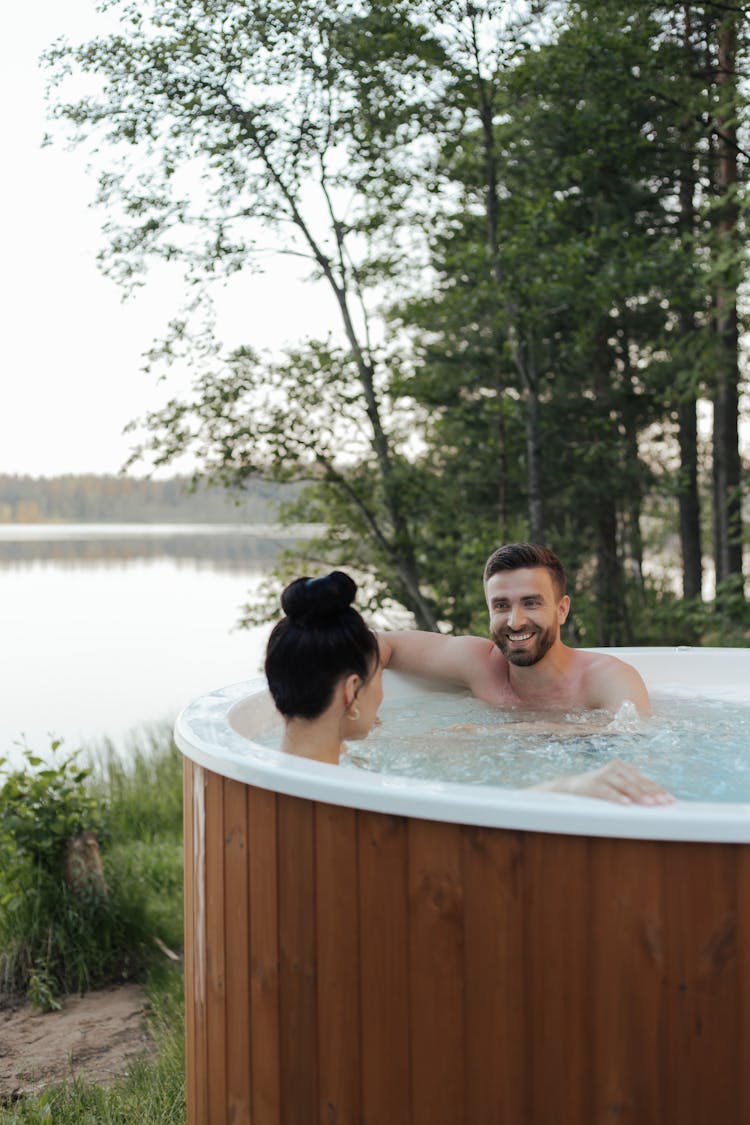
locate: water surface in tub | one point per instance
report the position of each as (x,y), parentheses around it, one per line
(699,749)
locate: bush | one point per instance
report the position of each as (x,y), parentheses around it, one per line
(63,935)
(664,618)
(42,809)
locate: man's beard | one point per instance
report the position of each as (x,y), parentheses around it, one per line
(526,657)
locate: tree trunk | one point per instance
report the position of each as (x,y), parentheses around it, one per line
(527,376)
(633,536)
(609,577)
(606,490)
(502,470)
(401,546)
(533,468)
(83,869)
(689,500)
(726,457)
(687,407)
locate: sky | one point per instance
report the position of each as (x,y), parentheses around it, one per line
(71,375)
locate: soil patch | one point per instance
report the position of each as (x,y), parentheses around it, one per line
(96,1036)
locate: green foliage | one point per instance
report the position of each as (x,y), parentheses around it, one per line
(53,940)
(42,988)
(524,228)
(665,619)
(43,807)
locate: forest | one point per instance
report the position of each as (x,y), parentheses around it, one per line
(532,220)
(88,497)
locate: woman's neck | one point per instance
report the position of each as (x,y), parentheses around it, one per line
(313,738)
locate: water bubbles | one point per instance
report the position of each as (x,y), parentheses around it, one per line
(626,719)
(698,749)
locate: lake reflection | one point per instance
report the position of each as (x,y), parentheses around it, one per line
(222,547)
(104,631)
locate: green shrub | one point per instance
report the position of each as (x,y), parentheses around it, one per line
(53,940)
(43,806)
(662,617)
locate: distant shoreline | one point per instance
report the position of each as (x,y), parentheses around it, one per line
(74,529)
(85,499)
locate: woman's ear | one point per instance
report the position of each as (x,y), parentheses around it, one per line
(351,686)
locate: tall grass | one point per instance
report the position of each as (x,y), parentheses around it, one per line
(50,942)
(141,785)
(143,794)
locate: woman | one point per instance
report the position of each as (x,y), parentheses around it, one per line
(325,675)
(323,668)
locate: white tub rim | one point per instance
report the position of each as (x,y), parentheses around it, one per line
(204,733)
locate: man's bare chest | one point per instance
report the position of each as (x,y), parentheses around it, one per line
(498,690)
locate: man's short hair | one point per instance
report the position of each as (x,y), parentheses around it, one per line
(521,556)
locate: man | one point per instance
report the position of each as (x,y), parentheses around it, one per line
(527,664)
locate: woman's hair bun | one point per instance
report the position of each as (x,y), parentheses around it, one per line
(310,599)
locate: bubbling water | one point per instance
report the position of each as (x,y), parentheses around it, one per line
(698,749)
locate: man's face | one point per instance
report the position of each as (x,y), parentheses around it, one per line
(525,613)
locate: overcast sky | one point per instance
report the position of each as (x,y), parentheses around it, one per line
(71,375)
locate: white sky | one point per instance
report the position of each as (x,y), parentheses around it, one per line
(71,376)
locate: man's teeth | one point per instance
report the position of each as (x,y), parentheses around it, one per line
(520,636)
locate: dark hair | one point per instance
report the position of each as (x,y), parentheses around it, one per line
(321,639)
(518,556)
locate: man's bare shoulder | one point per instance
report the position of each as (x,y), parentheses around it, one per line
(608,682)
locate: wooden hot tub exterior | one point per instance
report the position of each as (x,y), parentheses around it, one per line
(354,967)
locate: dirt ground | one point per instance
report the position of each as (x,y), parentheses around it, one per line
(96,1036)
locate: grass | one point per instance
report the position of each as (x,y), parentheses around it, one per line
(49,942)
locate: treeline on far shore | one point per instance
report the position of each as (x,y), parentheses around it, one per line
(122,499)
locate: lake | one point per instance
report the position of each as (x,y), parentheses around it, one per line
(106,628)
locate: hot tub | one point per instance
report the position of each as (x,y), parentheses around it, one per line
(366,948)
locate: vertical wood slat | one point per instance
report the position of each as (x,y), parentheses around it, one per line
(237,967)
(702,1025)
(337,962)
(557,966)
(435,968)
(195,1068)
(215,954)
(743,983)
(627,965)
(263,940)
(384,969)
(494,955)
(297,984)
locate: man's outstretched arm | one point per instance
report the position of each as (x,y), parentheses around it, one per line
(434,655)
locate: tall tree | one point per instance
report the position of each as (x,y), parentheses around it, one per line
(528,188)
(220,118)
(727,466)
(579,225)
